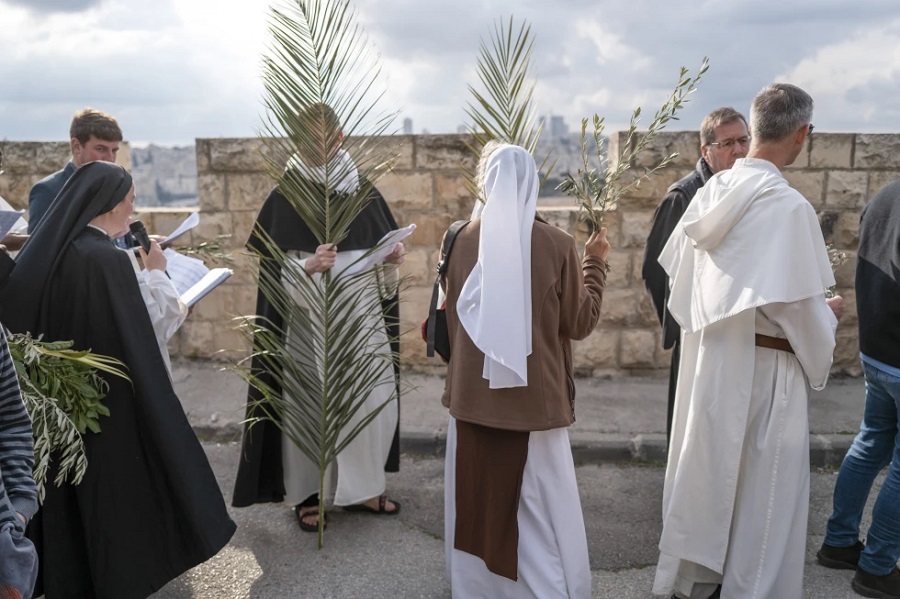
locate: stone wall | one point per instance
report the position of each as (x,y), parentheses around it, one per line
(837,173)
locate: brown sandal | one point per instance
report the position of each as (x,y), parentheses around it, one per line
(382,501)
(305,511)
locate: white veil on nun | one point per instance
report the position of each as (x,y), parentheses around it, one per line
(494,305)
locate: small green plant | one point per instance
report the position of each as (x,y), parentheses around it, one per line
(63,394)
(597,192)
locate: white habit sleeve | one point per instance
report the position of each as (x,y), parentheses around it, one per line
(809,326)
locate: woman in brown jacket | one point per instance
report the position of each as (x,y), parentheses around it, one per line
(517,294)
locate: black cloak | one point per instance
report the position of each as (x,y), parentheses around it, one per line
(260,477)
(149,507)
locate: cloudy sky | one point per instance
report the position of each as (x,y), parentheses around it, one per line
(175,70)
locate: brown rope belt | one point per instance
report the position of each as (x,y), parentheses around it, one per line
(773,343)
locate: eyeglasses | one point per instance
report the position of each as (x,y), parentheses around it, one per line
(728,144)
(810,130)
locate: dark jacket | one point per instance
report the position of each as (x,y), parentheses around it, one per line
(566,295)
(878,277)
(44,192)
(667,215)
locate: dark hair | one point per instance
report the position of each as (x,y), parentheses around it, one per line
(779,110)
(88,122)
(719,116)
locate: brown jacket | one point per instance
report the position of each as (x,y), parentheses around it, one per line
(566,294)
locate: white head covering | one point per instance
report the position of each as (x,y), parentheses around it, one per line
(342,171)
(495,303)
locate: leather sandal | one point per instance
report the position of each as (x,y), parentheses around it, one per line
(382,501)
(305,511)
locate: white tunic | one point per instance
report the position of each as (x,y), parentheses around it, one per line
(552,552)
(358,474)
(747,258)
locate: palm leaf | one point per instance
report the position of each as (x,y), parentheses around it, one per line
(504,108)
(321,362)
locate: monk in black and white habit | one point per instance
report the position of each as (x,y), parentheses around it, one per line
(272,468)
(517,294)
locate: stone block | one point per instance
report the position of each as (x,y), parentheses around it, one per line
(846,350)
(811,184)
(243,154)
(245,268)
(685,143)
(452,194)
(599,350)
(243,299)
(216,306)
(802,160)
(846,231)
(621,307)
(15,188)
(646,312)
(201,150)
(636,228)
(638,349)
(831,150)
(663,356)
(196,337)
(385,148)
(879,180)
(877,150)
(242,225)
(430,229)
(650,190)
(212,224)
(444,152)
(245,191)
(229,344)
(408,190)
(845,274)
(620,268)
(418,266)
(846,189)
(850,319)
(211,191)
(564,218)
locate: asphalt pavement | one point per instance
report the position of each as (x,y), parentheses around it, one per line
(619,446)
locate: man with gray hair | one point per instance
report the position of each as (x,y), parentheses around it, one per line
(723,139)
(749,270)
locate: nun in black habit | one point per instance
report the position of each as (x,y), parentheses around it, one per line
(262,471)
(149,507)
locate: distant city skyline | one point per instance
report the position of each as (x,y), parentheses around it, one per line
(172,71)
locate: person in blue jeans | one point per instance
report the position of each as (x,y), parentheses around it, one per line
(878,443)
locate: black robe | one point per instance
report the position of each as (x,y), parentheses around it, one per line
(260,477)
(149,507)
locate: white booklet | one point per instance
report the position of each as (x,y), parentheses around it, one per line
(9,220)
(189,223)
(191,278)
(387,245)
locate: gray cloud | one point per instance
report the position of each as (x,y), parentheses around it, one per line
(50,6)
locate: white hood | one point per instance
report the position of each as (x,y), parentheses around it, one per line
(746,240)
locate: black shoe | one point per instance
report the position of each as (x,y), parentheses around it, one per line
(716,595)
(840,558)
(879,587)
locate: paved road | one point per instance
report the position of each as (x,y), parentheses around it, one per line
(375,556)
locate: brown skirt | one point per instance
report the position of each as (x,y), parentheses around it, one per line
(489,467)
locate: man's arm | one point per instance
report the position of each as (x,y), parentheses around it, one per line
(39,199)
(16,440)
(667,215)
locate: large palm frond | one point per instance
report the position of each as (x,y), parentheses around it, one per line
(331,350)
(504,108)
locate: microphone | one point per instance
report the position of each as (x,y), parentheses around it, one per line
(140,233)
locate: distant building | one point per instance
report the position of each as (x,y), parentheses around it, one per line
(407,126)
(558,127)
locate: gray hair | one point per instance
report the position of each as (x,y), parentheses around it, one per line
(716,118)
(778,111)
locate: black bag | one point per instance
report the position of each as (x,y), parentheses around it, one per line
(434,330)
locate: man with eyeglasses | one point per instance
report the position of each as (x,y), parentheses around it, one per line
(749,270)
(723,139)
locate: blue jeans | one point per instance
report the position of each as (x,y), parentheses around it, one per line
(876,446)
